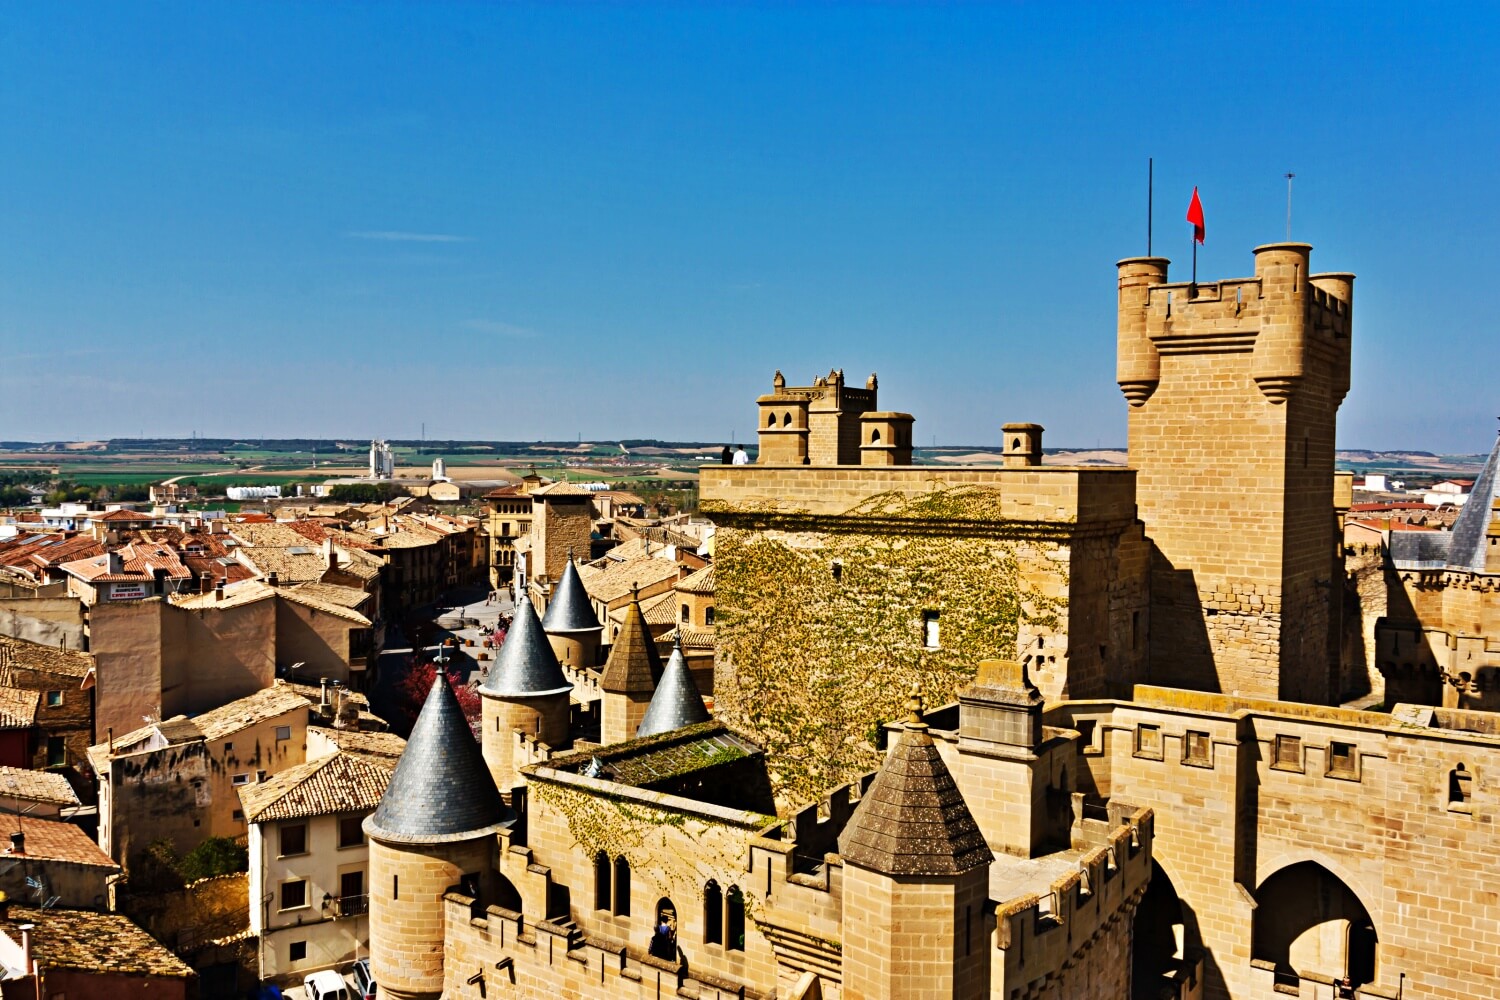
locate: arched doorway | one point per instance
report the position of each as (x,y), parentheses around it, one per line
(664,931)
(1160,939)
(1308,921)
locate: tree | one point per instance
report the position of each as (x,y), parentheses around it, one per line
(215,856)
(417,681)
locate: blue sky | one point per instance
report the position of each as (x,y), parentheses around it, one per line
(617,221)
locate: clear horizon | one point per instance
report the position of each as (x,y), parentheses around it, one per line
(539,222)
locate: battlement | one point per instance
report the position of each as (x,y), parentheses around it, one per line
(1285,317)
(817,424)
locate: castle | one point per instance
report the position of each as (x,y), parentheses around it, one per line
(1022,731)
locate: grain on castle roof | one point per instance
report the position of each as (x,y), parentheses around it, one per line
(339,783)
(47,787)
(92,942)
(646,760)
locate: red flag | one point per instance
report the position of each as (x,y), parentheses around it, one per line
(1195,216)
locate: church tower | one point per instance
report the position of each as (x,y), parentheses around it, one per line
(1234,388)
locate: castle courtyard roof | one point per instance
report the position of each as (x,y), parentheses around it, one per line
(646,760)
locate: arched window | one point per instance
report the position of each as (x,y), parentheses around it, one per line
(874,437)
(713,913)
(664,931)
(786,420)
(622,887)
(734,922)
(771,420)
(601,881)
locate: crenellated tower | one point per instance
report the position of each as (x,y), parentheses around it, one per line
(1234,388)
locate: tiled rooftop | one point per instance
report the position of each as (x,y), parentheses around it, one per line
(92,942)
(36,786)
(54,840)
(340,783)
(22,655)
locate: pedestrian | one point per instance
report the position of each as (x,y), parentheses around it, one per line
(740,458)
(727,456)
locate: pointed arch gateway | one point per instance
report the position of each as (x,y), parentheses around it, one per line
(1307,921)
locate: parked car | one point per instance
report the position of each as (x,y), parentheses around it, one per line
(325,985)
(364,980)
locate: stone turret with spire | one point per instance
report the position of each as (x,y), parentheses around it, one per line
(676,702)
(630,675)
(436,825)
(525,694)
(571,625)
(916,881)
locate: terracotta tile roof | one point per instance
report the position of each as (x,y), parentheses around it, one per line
(18,654)
(219,568)
(701,582)
(36,786)
(236,595)
(248,711)
(561,490)
(92,942)
(330,599)
(120,515)
(301,563)
(616,581)
(54,840)
(339,783)
(504,492)
(18,708)
(1367,508)
(691,638)
(154,735)
(659,610)
(367,744)
(138,561)
(270,535)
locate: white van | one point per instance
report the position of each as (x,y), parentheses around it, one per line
(325,985)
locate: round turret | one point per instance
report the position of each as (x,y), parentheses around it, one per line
(526,691)
(570,623)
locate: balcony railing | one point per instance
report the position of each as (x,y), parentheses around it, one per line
(351,906)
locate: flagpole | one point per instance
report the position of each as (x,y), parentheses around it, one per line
(1150,193)
(1195,260)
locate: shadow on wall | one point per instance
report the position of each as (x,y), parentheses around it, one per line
(1180,653)
(1309,923)
(1167,956)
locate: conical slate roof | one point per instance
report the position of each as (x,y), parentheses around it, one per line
(441,790)
(634,665)
(676,702)
(525,667)
(912,820)
(1467,549)
(570,609)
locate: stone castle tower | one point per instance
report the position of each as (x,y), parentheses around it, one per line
(817,424)
(571,625)
(629,677)
(525,690)
(1234,388)
(434,828)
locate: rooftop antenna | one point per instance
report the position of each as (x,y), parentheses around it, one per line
(1289,177)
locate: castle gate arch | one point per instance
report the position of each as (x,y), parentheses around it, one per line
(1307,920)
(1163,939)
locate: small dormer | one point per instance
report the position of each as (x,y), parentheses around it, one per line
(1023,445)
(885,438)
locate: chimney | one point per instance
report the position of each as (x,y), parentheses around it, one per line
(219,592)
(30,966)
(18,843)
(272,579)
(205,582)
(323,705)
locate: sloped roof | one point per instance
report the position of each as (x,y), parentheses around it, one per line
(617,579)
(54,840)
(20,654)
(1467,550)
(36,786)
(570,609)
(320,598)
(659,610)
(701,582)
(525,667)
(245,712)
(634,665)
(441,790)
(92,942)
(236,595)
(645,760)
(18,708)
(912,820)
(338,783)
(676,702)
(692,637)
(358,742)
(560,489)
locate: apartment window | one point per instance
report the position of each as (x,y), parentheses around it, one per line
(293,839)
(228,747)
(1148,741)
(283,732)
(1342,760)
(57,753)
(296,951)
(239,816)
(54,699)
(1197,748)
(708,615)
(930,636)
(242,779)
(687,615)
(351,831)
(1287,754)
(294,894)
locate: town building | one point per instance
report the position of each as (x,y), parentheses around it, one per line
(85,955)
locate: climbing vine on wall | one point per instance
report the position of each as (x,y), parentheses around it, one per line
(651,839)
(821,632)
